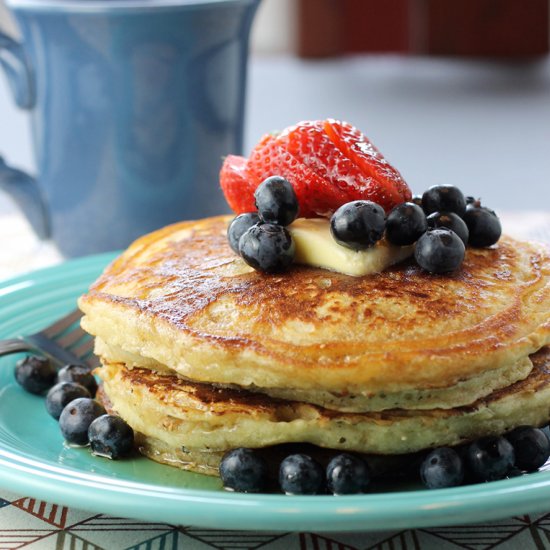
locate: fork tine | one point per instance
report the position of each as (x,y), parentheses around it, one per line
(84,349)
(48,347)
(93,362)
(63,324)
(70,338)
(56,341)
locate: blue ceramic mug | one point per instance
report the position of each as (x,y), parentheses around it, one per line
(134,103)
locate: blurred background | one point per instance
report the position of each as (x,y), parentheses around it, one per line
(451,92)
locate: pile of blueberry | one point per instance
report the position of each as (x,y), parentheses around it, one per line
(262,238)
(70,400)
(245,470)
(440,223)
(524,449)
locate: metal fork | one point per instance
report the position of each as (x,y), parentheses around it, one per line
(63,342)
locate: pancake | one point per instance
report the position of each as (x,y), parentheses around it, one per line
(191,425)
(462,393)
(180,299)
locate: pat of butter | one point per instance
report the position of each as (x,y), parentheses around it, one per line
(315,246)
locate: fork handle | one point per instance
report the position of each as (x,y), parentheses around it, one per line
(13,345)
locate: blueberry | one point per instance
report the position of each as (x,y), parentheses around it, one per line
(451,221)
(238,227)
(484,226)
(276,201)
(347,475)
(35,374)
(417,199)
(405,224)
(531,447)
(299,474)
(443,467)
(243,470)
(80,374)
(490,458)
(439,251)
(358,224)
(267,247)
(76,418)
(110,436)
(444,198)
(61,395)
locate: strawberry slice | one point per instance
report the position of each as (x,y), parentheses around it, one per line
(309,143)
(359,175)
(236,184)
(328,162)
(316,196)
(357,147)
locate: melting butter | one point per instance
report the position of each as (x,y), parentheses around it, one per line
(315,246)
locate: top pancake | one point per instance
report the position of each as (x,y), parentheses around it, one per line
(181,297)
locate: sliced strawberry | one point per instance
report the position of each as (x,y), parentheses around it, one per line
(392,188)
(316,195)
(236,184)
(309,143)
(328,163)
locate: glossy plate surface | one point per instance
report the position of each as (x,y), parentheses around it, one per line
(34,460)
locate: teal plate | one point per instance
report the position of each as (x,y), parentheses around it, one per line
(35,461)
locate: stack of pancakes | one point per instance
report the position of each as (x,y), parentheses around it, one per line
(202,354)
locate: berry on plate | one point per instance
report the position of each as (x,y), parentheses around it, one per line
(443,467)
(60,395)
(358,224)
(276,201)
(444,198)
(327,162)
(244,471)
(439,251)
(239,226)
(390,186)
(80,374)
(406,223)
(76,418)
(35,374)
(316,196)
(299,474)
(348,163)
(267,247)
(110,436)
(347,475)
(490,458)
(531,447)
(236,185)
(484,226)
(451,221)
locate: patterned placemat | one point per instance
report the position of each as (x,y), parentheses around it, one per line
(33,524)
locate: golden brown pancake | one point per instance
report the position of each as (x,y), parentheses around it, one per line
(190,425)
(180,298)
(462,392)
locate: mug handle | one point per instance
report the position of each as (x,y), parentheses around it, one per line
(22,187)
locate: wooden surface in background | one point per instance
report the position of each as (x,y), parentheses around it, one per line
(488,28)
